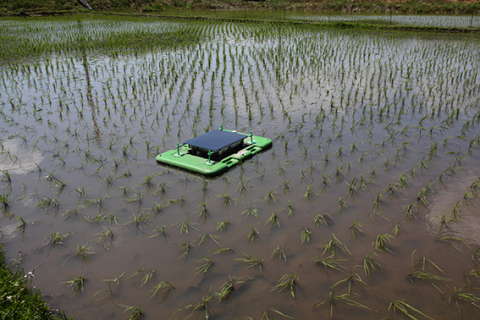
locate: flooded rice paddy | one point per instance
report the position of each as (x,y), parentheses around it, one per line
(365,205)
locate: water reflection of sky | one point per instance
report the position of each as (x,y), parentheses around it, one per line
(18,159)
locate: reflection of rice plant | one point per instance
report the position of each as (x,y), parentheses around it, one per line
(287,282)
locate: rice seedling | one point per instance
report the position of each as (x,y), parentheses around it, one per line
(279,253)
(345,298)
(370,265)
(287,282)
(405,309)
(137,221)
(5,201)
(84,253)
(135,312)
(221,250)
(228,288)
(409,211)
(417,274)
(162,288)
(289,208)
(204,237)
(382,242)
(185,247)
(352,280)
(109,291)
(310,193)
(250,210)
(207,264)
(467,297)
(48,203)
(203,213)
(252,236)
(185,226)
(202,304)
(452,240)
(356,229)
(305,235)
(21,226)
(271,196)
(397,228)
(77,283)
(242,186)
(251,261)
(329,262)
(325,219)
(273,220)
(341,204)
(226,199)
(148,276)
(222,226)
(333,245)
(423,261)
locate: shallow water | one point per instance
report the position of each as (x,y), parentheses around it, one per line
(86,126)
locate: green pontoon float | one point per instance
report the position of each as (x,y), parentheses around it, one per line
(214,152)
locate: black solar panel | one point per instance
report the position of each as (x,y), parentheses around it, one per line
(215,140)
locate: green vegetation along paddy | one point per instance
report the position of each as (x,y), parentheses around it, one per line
(364,207)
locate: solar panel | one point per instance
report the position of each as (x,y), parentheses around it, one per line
(215,140)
